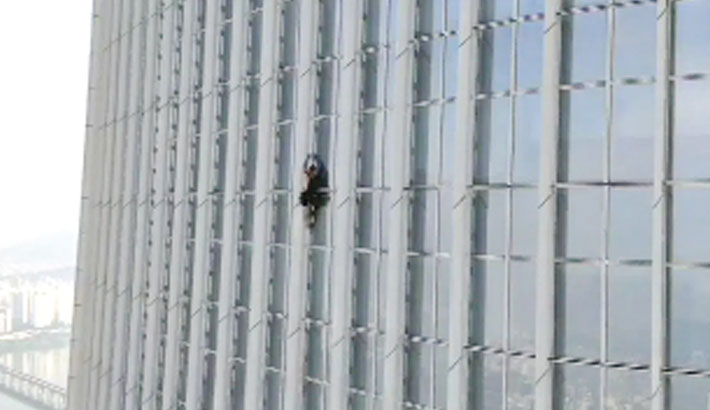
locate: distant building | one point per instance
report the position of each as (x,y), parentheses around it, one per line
(519,214)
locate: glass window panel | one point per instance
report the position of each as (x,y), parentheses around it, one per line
(496,9)
(691,145)
(580,387)
(525,222)
(630,224)
(429,69)
(425,148)
(496,45)
(586,35)
(423,220)
(531,7)
(528,134)
(446,219)
(449,144)
(633,133)
(691,34)
(491,146)
(629,320)
(443,286)
(583,134)
(487,319)
(689,392)
(486,378)
(521,382)
(691,225)
(421,291)
(365,232)
(442,370)
(628,390)
(581,214)
(417,375)
(317,282)
(488,222)
(282,213)
(365,281)
(635,41)
(581,288)
(522,306)
(530,55)
(451,67)
(690,321)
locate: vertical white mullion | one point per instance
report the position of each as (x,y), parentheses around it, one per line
(158,208)
(128,210)
(78,377)
(116,210)
(256,344)
(295,333)
(102,238)
(179,230)
(343,206)
(606,210)
(141,250)
(225,348)
(458,379)
(398,148)
(547,209)
(509,204)
(662,203)
(200,274)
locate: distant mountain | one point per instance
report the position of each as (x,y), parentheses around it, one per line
(50,252)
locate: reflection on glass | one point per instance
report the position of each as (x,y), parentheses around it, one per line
(690,321)
(491,145)
(691,225)
(579,231)
(587,44)
(691,34)
(528,133)
(635,42)
(691,128)
(488,222)
(630,224)
(487,289)
(689,392)
(628,390)
(633,133)
(583,133)
(522,306)
(495,70)
(524,222)
(521,379)
(629,314)
(580,286)
(580,387)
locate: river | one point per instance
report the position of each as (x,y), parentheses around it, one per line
(50,364)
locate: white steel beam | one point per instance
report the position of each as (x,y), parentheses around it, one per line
(253,396)
(145,137)
(398,147)
(229,263)
(662,205)
(344,204)
(297,282)
(104,226)
(203,218)
(458,379)
(118,128)
(128,210)
(547,209)
(82,291)
(159,207)
(179,229)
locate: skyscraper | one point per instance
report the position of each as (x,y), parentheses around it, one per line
(517,217)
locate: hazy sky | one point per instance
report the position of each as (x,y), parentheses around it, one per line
(44,46)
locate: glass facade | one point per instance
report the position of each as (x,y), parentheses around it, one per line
(517,216)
